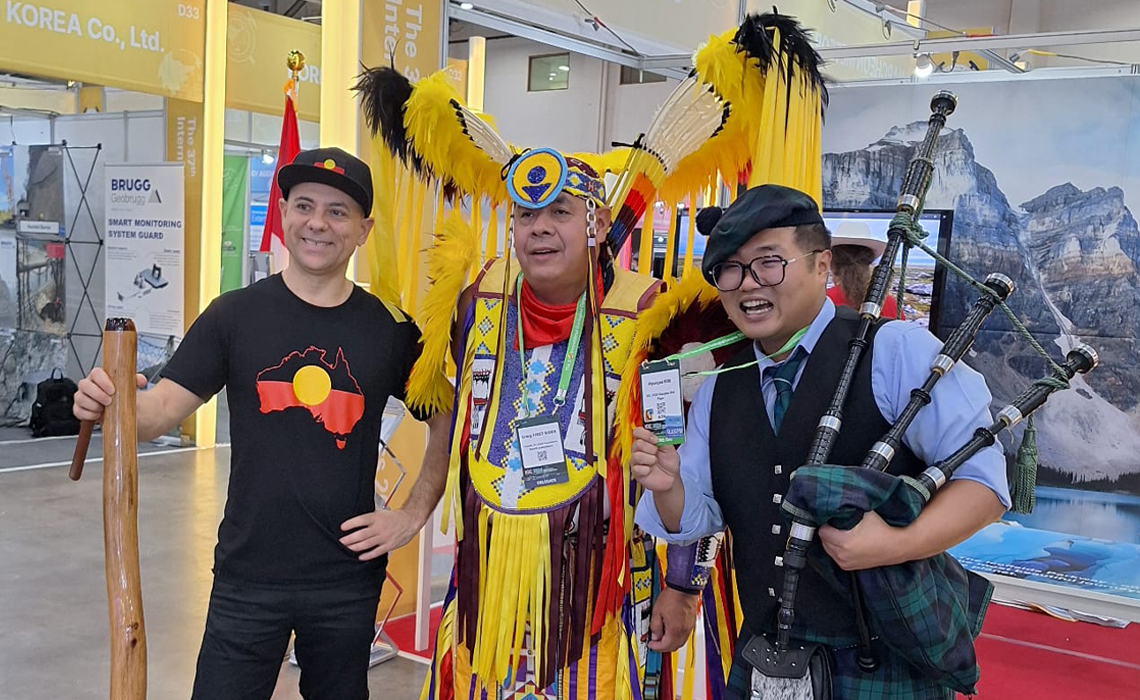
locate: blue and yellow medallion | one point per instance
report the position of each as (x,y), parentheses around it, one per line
(536,177)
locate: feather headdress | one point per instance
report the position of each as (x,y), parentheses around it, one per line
(753,104)
(427,126)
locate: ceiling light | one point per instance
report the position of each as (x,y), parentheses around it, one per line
(923,66)
(563,68)
(466,6)
(266,157)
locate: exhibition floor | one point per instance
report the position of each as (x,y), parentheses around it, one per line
(53,609)
(54,618)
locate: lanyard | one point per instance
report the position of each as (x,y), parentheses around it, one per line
(571,348)
(729,340)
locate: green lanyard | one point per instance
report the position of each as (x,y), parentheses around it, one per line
(730,339)
(571,349)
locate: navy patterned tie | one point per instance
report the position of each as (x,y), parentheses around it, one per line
(784,376)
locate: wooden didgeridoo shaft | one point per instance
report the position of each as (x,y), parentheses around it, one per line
(120,515)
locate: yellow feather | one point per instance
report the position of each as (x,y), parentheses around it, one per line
(670,245)
(383,269)
(456,244)
(436,133)
(692,232)
(725,69)
(609,162)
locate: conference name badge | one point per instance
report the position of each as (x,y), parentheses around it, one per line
(662,408)
(540,448)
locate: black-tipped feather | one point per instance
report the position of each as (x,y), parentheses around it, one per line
(384,94)
(755,39)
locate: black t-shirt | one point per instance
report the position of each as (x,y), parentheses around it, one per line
(307,387)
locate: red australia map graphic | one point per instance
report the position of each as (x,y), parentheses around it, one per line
(338,412)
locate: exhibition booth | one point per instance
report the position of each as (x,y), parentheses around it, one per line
(139,144)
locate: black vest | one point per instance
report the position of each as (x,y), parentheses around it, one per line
(751,468)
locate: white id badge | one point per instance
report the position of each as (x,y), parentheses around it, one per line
(540,448)
(662,408)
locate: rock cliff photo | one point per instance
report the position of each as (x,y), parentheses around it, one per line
(1071,246)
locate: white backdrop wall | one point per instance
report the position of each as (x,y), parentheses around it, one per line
(592,112)
(265,129)
(631,108)
(1025,16)
(563,119)
(24,130)
(125,137)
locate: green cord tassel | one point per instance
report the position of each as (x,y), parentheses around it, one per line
(1023,492)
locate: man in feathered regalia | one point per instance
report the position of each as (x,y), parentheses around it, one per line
(551,591)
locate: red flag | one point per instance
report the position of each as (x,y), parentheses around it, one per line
(273,237)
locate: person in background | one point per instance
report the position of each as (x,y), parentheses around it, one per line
(854,249)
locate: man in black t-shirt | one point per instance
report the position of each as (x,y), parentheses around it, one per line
(309,360)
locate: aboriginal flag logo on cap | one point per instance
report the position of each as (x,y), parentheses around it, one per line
(307,381)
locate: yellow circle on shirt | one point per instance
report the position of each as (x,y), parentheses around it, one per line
(311,384)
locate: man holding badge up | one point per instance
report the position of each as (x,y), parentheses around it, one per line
(661,401)
(748,430)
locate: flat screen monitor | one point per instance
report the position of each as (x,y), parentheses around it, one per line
(925,281)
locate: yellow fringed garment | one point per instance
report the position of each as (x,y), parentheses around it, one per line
(773,127)
(451,495)
(415,243)
(785,148)
(512,595)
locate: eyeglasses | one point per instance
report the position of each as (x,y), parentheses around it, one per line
(766,271)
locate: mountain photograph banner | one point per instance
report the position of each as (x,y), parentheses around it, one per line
(1043,177)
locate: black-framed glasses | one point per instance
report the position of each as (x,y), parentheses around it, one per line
(766,271)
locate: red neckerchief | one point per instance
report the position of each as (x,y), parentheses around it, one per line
(546,324)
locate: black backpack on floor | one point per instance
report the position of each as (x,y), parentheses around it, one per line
(51,413)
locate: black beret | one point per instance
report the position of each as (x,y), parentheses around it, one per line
(760,208)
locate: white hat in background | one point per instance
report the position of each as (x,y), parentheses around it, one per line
(858,233)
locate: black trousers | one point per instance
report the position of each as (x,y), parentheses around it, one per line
(248,630)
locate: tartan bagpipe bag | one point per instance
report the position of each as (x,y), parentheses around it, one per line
(928,611)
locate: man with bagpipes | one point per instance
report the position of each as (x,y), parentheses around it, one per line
(903,626)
